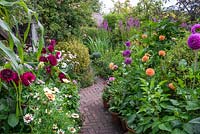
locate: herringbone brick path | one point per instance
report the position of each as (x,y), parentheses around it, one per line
(97,120)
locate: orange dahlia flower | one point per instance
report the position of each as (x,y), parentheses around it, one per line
(145,58)
(161,37)
(171,86)
(150,71)
(162,53)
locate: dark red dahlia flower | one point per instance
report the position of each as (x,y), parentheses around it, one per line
(44,50)
(51,48)
(52,59)
(61,76)
(7,75)
(27,78)
(43,59)
(48,69)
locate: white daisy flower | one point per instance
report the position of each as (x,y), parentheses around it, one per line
(74,115)
(60,131)
(66,81)
(55,126)
(28,118)
(72,129)
(63,65)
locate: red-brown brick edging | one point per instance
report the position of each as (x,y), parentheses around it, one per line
(97,120)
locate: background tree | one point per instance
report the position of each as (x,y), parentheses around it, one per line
(63,18)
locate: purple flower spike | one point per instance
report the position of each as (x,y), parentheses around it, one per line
(128,61)
(126,53)
(128,43)
(193,29)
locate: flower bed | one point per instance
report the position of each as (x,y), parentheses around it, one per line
(154,92)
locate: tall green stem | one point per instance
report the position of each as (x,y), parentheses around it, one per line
(195,67)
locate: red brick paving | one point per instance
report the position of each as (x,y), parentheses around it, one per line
(97,120)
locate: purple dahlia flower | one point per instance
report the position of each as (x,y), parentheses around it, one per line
(193,29)
(194,38)
(128,61)
(126,53)
(128,43)
(194,41)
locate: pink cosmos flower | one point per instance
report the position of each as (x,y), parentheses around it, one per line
(111,79)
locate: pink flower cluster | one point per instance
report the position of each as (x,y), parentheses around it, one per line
(9,75)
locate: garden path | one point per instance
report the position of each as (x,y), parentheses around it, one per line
(97,120)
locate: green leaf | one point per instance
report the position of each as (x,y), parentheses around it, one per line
(188,128)
(13,120)
(155,124)
(168,118)
(162,82)
(165,127)
(3,117)
(178,131)
(152,83)
(12,56)
(195,121)
(131,119)
(192,105)
(181,83)
(176,123)
(174,102)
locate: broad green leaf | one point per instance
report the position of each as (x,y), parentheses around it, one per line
(155,124)
(181,83)
(131,119)
(178,131)
(3,117)
(168,118)
(165,127)
(195,121)
(13,120)
(188,128)
(174,102)
(152,83)
(12,56)
(41,40)
(162,82)
(16,41)
(193,105)
(176,123)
